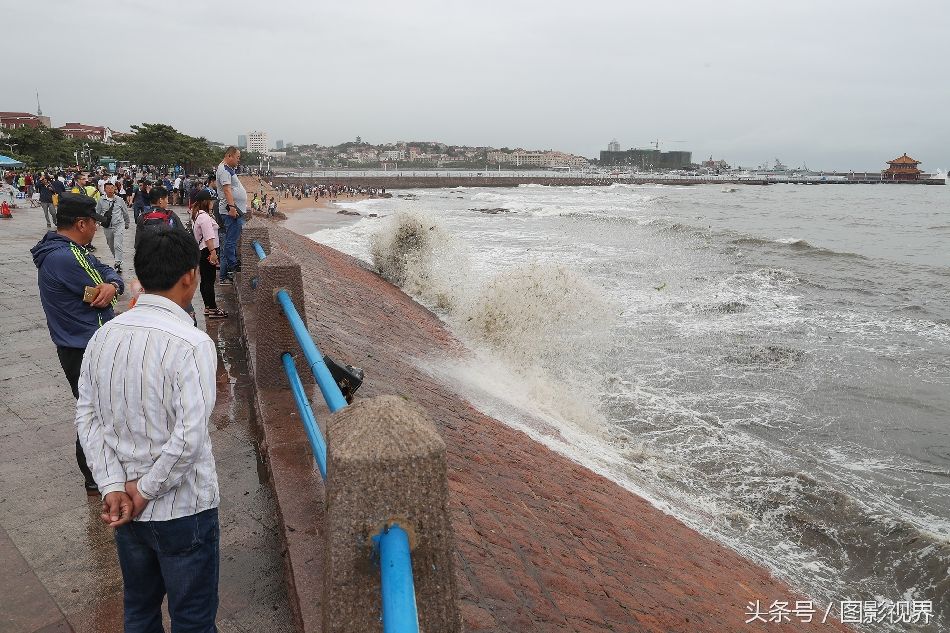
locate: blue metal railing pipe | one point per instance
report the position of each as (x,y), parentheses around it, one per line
(398,591)
(317,443)
(328,387)
(400,614)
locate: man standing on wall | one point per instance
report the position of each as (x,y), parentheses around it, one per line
(232,201)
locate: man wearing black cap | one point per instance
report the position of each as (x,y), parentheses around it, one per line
(77,291)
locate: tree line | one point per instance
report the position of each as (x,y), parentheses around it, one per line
(154,144)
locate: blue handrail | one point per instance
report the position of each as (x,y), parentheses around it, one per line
(317,443)
(328,387)
(400,614)
(398,591)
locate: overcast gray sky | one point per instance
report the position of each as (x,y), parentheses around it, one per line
(839,85)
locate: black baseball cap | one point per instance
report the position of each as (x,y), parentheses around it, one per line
(75,206)
(203,195)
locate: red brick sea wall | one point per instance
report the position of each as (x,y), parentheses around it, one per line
(543,544)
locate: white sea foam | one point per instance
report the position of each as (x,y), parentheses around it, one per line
(415,252)
(701,394)
(543,320)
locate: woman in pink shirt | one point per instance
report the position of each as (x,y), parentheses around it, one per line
(206,232)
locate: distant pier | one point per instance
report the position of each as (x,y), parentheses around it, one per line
(448,180)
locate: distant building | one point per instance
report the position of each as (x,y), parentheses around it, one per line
(242,141)
(902,168)
(257,142)
(522,158)
(11,120)
(87,132)
(392,154)
(717,165)
(279,145)
(646,159)
(613,146)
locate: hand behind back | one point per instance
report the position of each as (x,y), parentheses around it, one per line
(116,509)
(138,501)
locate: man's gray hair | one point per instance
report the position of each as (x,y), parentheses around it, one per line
(231,151)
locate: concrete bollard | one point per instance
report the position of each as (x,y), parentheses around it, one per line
(274,335)
(386,463)
(255,229)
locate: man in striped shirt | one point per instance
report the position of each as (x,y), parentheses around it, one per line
(77,291)
(146,392)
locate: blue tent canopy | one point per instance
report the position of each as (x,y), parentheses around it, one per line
(6,161)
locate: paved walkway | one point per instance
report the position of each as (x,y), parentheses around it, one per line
(58,562)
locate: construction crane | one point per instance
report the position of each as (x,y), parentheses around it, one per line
(656,143)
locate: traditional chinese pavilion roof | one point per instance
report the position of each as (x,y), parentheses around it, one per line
(903,160)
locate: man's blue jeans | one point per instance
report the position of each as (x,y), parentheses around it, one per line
(177,557)
(232,233)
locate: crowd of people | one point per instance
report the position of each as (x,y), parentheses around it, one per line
(329,191)
(142,439)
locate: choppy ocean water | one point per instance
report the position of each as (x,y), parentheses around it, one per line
(771,365)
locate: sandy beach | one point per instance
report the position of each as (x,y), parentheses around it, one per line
(305,216)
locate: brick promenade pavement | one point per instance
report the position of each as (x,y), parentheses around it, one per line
(543,544)
(59,569)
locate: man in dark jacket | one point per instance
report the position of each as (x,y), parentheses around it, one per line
(46,192)
(77,291)
(140,200)
(157,213)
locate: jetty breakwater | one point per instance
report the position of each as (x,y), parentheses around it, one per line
(539,543)
(446,180)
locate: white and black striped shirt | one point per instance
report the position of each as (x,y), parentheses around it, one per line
(146,392)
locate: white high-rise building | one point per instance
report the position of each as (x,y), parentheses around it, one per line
(257,142)
(613,146)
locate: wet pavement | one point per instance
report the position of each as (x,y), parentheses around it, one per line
(59,567)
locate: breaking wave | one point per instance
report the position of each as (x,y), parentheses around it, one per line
(416,253)
(794,245)
(546,322)
(716,394)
